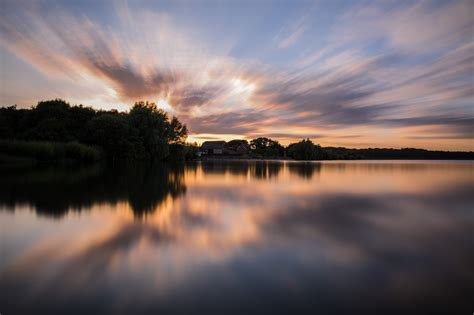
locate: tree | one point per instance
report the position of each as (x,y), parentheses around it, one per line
(304,150)
(144,132)
(79,117)
(9,121)
(177,132)
(266,147)
(49,120)
(152,126)
(112,133)
(155,131)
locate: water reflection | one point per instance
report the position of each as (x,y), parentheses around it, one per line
(53,191)
(256,169)
(239,237)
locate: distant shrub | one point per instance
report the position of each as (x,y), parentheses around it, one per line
(304,150)
(265,147)
(78,151)
(190,151)
(177,152)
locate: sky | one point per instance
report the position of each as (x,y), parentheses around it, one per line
(342,73)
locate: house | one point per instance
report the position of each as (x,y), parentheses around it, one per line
(232,148)
(212,148)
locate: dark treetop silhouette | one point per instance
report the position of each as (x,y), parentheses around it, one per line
(142,133)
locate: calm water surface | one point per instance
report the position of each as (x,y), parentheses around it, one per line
(238,237)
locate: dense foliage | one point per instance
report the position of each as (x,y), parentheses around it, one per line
(307,150)
(332,153)
(265,147)
(304,150)
(145,132)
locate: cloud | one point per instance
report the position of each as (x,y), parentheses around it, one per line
(288,135)
(415,27)
(414,79)
(294,29)
(288,36)
(228,123)
(393,88)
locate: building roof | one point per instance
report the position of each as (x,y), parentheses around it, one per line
(210,145)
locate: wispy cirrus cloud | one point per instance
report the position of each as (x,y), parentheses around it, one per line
(418,27)
(290,34)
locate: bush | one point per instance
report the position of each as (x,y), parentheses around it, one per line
(49,151)
(190,151)
(305,150)
(177,152)
(266,147)
(78,151)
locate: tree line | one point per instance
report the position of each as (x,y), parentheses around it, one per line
(55,129)
(307,150)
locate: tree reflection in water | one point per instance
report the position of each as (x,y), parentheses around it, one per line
(53,191)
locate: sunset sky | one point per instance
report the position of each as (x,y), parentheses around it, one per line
(342,73)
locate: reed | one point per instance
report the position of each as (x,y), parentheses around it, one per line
(50,151)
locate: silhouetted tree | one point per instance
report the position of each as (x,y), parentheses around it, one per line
(177,132)
(304,150)
(144,132)
(49,121)
(80,116)
(266,147)
(153,128)
(112,133)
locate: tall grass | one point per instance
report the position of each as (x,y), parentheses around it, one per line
(50,151)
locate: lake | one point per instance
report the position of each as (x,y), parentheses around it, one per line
(344,237)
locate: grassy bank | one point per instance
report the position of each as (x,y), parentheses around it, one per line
(48,151)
